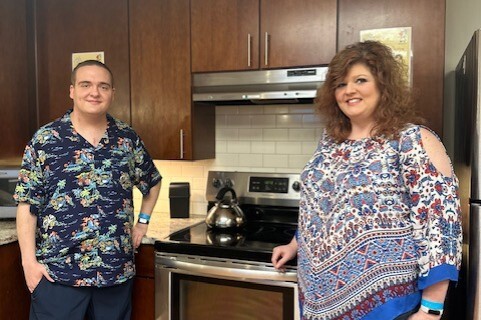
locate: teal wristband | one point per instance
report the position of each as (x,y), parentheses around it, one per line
(432,305)
(144,216)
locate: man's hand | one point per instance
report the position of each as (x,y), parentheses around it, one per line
(138,232)
(34,272)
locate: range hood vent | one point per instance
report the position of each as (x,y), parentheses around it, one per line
(258,87)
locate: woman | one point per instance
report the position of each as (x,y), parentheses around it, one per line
(379,233)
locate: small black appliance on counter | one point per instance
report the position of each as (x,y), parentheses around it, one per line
(179,196)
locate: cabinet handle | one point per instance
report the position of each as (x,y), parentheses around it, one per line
(182,143)
(266,49)
(249,37)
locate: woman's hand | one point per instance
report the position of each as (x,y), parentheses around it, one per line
(282,254)
(421,315)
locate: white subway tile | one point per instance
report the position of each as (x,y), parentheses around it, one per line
(302,108)
(220,146)
(199,183)
(238,147)
(287,170)
(309,147)
(298,161)
(251,109)
(263,147)
(227,134)
(197,195)
(312,120)
(264,121)
(198,207)
(289,121)
(193,171)
(276,109)
(278,161)
(302,134)
(226,160)
(250,160)
(220,121)
(275,134)
(287,147)
(250,134)
(238,121)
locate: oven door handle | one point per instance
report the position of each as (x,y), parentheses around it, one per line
(236,273)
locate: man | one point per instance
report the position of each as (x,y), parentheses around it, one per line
(75,208)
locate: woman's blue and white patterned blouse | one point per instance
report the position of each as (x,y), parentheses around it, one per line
(377,223)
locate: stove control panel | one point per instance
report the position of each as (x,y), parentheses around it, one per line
(256,187)
(269,184)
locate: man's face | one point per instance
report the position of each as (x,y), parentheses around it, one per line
(92,93)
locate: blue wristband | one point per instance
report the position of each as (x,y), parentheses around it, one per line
(432,305)
(144,216)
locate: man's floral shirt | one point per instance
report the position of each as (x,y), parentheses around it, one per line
(82,197)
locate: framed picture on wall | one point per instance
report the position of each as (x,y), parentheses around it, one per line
(398,39)
(83,56)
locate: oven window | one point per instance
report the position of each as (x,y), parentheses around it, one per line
(196,298)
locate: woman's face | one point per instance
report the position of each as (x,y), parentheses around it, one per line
(358,95)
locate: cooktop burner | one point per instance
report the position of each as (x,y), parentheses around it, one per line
(253,242)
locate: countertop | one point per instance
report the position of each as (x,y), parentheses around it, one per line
(161,225)
(8,232)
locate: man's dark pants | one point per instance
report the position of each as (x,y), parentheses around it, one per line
(56,301)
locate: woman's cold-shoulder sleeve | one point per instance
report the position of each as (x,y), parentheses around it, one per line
(435,211)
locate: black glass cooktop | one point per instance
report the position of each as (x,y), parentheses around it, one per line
(253,242)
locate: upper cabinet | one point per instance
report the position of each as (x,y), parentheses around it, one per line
(18,113)
(162,111)
(80,26)
(229,35)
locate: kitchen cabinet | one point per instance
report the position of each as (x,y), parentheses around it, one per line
(66,27)
(162,110)
(143,305)
(18,115)
(427,21)
(14,295)
(232,35)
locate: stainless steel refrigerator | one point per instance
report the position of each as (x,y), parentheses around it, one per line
(467,163)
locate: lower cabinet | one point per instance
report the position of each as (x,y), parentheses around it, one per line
(14,295)
(143,307)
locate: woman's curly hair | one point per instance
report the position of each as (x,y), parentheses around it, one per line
(396,107)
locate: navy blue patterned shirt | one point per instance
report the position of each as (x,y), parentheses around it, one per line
(82,197)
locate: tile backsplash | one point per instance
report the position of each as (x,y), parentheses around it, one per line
(259,138)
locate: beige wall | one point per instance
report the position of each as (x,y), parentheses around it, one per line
(462,19)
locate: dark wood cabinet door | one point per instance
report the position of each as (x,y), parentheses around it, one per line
(162,110)
(297,33)
(427,21)
(14,295)
(143,300)
(160,75)
(16,114)
(66,27)
(143,304)
(225,35)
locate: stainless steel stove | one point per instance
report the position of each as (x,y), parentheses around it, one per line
(200,270)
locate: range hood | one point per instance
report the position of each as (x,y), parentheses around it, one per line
(297,85)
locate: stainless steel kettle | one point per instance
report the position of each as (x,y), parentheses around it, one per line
(225,213)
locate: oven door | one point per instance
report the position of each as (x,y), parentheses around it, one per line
(208,288)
